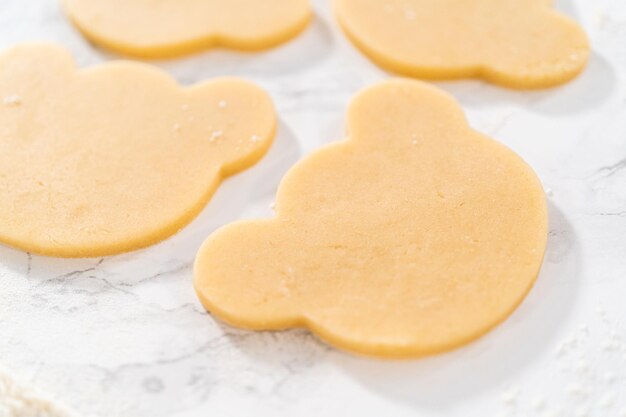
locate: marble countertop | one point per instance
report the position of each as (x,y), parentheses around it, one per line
(125,336)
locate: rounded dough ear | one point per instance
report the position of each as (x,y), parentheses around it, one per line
(405,111)
(45,58)
(241,153)
(248,123)
(560,56)
(239,276)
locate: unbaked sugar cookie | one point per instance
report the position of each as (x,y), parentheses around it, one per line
(414,236)
(515,43)
(115,157)
(163,28)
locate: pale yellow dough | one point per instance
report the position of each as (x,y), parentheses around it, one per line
(116,157)
(165,28)
(515,43)
(414,236)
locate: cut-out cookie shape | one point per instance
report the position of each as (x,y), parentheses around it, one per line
(413,237)
(164,28)
(116,157)
(515,43)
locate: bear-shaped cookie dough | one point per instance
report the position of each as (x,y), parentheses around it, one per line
(115,157)
(165,28)
(515,43)
(414,236)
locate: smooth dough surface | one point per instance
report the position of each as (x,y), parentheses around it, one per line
(412,237)
(115,157)
(164,28)
(515,43)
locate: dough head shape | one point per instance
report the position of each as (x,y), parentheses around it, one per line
(116,157)
(414,236)
(166,28)
(514,43)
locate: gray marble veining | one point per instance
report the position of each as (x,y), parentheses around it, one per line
(126,336)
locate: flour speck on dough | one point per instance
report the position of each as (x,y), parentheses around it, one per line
(216,134)
(12,100)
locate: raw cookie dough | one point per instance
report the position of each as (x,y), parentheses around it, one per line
(414,236)
(164,28)
(116,157)
(515,43)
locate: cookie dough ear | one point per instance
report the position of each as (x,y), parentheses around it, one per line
(246,126)
(239,276)
(47,59)
(560,56)
(403,111)
(245,151)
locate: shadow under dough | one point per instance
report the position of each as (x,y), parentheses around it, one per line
(443,381)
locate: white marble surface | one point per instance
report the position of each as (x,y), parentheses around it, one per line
(126,336)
